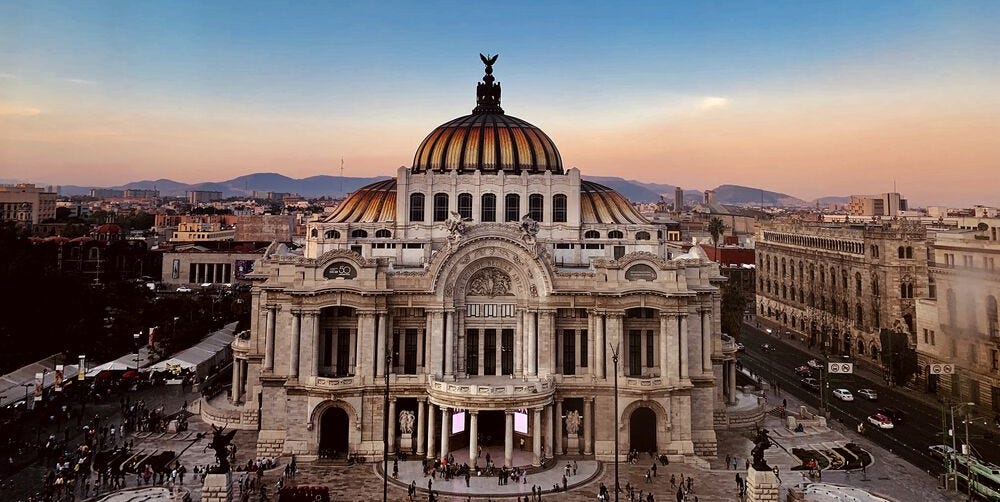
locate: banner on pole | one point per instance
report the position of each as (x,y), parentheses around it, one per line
(81,372)
(39,381)
(59,378)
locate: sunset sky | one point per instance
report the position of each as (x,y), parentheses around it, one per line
(806,98)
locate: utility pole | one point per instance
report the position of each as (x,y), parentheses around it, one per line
(614,359)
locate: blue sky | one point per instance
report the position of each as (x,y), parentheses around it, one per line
(775,94)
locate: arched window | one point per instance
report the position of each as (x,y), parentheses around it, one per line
(383,233)
(952,303)
(332,234)
(440,206)
(616,234)
(859,316)
(416,207)
(843,278)
(784,272)
(931,288)
(359,234)
(642,236)
(992,317)
(812,273)
(512,207)
(314,233)
(857,284)
(465,205)
(901,251)
(488,207)
(784,292)
(909,252)
(875,286)
(800,271)
(559,208)
(536,206)
(822,275)
(591,234)
(94,253)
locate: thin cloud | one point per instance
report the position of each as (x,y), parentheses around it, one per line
(8,76)
(9,110)
(713,103)
(80,81)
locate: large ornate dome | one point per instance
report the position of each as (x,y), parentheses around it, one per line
(487,140)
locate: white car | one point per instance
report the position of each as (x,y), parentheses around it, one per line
(868,394)
(843,394)
(881,421)
(183,290)
(814,364)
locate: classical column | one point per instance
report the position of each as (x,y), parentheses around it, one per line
(392,426)
(559,424)
(431,415)
(449,344)
(664,369)
(244,367)
(732,381)
(684,346)
(433,354)
(309,349)
(673,349)
(587,436)
(235,393)
(547,327)
(293,351)
(536,438)
(269,340)
(473,437)
(548,429)
(706,341)
(422,352)
(445,431)
(380,346)
(353,349)
(521,342)
(600,345)
(529,325)
(508,439)
(421,432)
(614,334)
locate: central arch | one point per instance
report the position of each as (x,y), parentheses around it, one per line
(333,432)
(642,427)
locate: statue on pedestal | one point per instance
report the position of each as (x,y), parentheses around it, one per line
(573,423)
(406,422)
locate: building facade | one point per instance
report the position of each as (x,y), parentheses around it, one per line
(840,284)
(490,289)
(958,324)
(26,204)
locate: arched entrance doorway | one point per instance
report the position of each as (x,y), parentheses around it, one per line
(333,433)
(642,430)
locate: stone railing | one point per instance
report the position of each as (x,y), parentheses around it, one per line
(336,382)
(241,345)
(227,417)
(644,382)
(728,344)
(744,418)
(490,394)
(500,390)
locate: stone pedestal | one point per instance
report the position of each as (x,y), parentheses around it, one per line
(762,486)
(172,426)
(573,444)
(217,488)
(406,443)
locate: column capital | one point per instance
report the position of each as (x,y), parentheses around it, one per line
(614,314)
(473,412)
(508,412)
(392,400)
(558,400)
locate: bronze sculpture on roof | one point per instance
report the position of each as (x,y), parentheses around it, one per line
(488,91)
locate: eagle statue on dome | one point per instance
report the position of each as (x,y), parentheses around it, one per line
(488,91)
(488,60)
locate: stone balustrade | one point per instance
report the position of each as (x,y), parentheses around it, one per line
(491,392)
(231,418)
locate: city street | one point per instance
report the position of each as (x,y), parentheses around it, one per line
(921,427)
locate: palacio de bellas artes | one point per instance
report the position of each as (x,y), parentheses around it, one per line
(494,293)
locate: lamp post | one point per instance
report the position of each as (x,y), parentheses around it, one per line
(614,359)
(135,342)
(385,430)
(26,387)
(954,449)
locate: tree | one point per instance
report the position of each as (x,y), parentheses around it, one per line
(734,304)
(716,228)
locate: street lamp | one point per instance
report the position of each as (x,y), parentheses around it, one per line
(26,387)
(614,359)
(954,449)
(385,430)
(135,342)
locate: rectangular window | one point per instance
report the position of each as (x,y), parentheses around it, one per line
(634,352)
(536,203)
(410,360)
(472,351)
(465,206)
(619,251)
(569,352)
(328,348)
(507,352)
(649,349)
(394,350)
(974,391)
(583,348)
(417,207)
(440,207)
(512,207)
(343,351)
(488,209)
(559,208)
(490,352)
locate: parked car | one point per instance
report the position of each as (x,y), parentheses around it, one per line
(803,371)
(740,347)
(183,289)
(868,394)
(894,414)
(843,394)
(767,347)
(814,364)
(810,383)
(881,421)
(941,451)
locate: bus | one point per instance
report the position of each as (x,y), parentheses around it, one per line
(983,477)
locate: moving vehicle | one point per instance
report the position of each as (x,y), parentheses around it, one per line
(767,347)
(980,477)
(803,371)
(814,364)
(183,289)
(881,421)
(740,347)
(868,394)
(810,383)
(843,394)
(894,414)
(941,451)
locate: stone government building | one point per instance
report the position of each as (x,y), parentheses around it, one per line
(490,283)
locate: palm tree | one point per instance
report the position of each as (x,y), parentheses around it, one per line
(716,227)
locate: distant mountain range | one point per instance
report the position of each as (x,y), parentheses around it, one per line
(336,186)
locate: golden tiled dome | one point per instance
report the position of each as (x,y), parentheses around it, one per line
(487,140)
(369,204)
(600,204)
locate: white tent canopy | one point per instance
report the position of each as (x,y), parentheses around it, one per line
(209,351)
(12,384)
(115,365)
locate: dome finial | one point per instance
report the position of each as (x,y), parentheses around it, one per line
(488,92)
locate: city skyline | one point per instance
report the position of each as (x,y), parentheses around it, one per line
(807,99)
